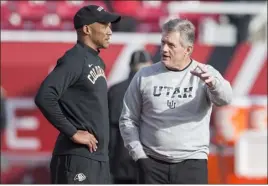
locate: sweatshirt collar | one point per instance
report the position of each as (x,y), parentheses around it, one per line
(89,49)
(176,70)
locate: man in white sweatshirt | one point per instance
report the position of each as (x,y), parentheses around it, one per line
(166,111)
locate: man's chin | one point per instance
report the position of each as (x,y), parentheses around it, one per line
(106,46)
(165,61)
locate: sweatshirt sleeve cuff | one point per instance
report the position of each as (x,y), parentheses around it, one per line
(70,131)
(215,88)
(138,154)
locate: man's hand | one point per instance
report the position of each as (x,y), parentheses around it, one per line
(203,73)
(85,138)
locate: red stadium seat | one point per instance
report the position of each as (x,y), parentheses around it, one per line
(98,3)
(152,11)
(67,9)
(31,10)
(127,8)
(146,13)
(5,14)
(10,19)
(50,21)
(150,16)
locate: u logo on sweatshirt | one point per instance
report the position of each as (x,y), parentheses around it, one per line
(171,104)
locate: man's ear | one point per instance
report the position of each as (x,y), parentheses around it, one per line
(189,50)
(87,29)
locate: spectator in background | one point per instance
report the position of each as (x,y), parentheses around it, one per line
(3,110)
(122,166)
(241,22)
(3,120)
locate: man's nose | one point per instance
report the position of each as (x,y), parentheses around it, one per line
(164,48)
(109,32)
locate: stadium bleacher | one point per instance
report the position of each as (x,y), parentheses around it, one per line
(57,15)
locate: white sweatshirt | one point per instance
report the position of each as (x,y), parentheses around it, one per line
(166,114)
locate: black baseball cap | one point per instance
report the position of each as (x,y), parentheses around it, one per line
(93,13)
(139,56)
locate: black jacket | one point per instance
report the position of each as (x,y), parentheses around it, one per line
(121,164)
(3,112)
(74,97)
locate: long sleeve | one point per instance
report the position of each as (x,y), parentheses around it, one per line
(65,74)
(221,93)
(130,119)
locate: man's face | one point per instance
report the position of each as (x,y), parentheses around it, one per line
(172,51)
(101,34)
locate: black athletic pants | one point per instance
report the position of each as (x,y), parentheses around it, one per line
(192,171)
(72,169)
(124,181)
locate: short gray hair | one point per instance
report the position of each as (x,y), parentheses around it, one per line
(184,27)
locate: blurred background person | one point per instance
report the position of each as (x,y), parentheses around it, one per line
(123,168)
(3,119)
(3,123)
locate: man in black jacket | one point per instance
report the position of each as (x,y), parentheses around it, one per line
(73,98)
(3,119)
(122,166)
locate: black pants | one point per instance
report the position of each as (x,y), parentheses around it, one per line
(125,181)
(190,171)
(71,169)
